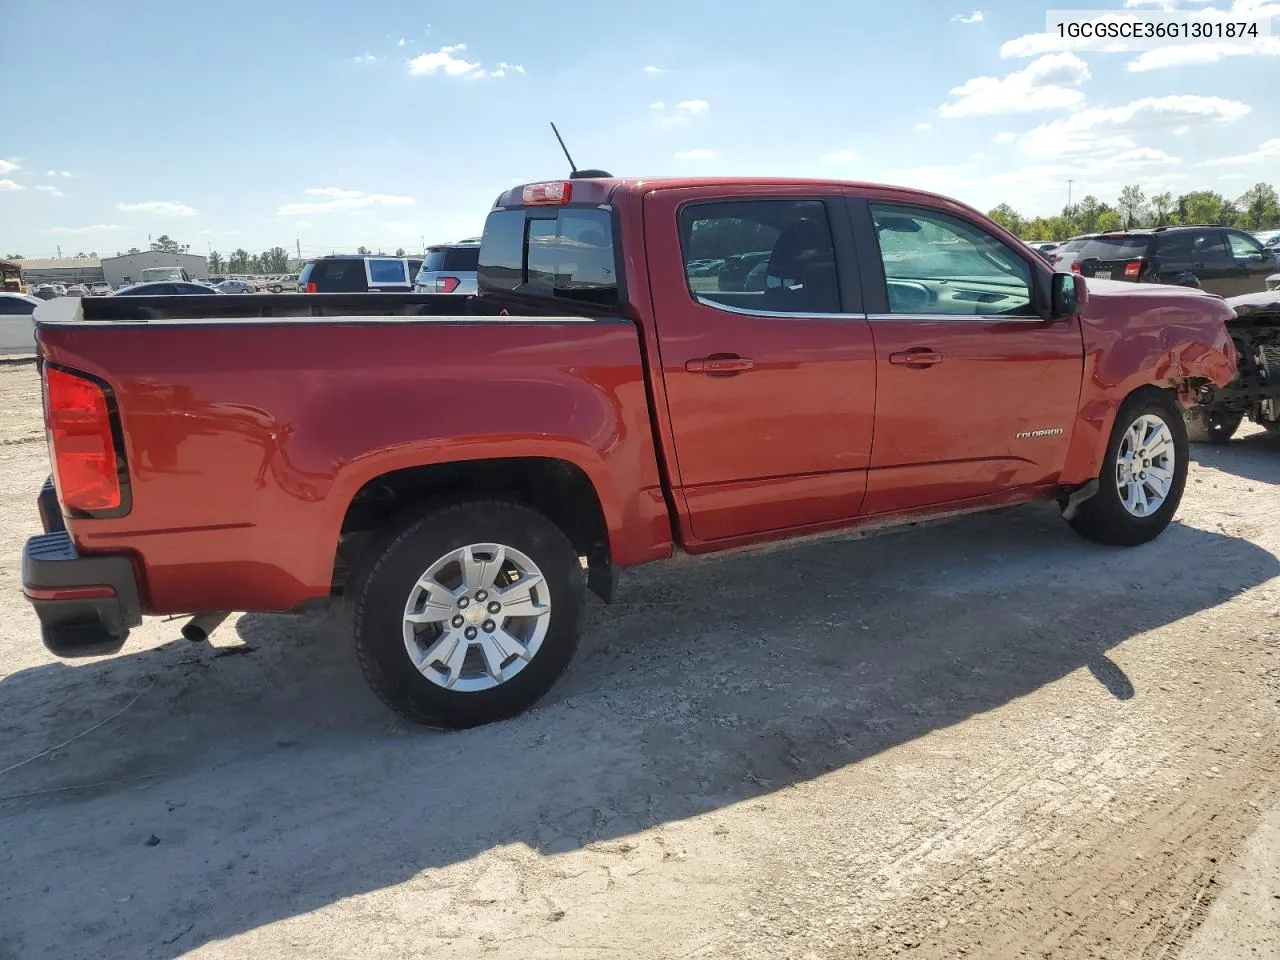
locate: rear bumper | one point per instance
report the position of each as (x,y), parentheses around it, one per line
(86,604)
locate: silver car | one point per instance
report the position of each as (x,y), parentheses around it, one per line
(449,268)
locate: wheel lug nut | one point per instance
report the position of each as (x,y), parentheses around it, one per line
(470,633)
(488,626)
(457,621)
(481,596)
(494,606)
(463,603)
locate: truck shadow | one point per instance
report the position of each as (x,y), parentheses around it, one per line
(1253,456)
(276,785)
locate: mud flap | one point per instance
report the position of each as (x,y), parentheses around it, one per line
(1088,491)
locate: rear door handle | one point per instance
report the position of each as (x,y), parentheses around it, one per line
(917,358)
(720,365)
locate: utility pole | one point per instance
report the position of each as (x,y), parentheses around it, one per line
(59,251)
(1069,183)
(298,246)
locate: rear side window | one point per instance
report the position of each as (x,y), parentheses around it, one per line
(340,276)
(774,256)
(567,254)
(387,271)
(1115,248)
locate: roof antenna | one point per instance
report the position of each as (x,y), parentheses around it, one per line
(574,172)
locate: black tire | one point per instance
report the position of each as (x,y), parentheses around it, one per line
(1103,517)
(1272,427)
(1206,425)
(391,565)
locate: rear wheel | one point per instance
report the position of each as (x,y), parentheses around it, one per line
(1206,425)
(1143,474)
(467,614)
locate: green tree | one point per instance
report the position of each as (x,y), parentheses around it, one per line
(131,251)
(238,262)
(275,260)
(1133,205)
(362,250)
(1161,205)
(1259,206)
(1087,214)
(399,251)
(1109,221)
(1008,218)
(215,261)
(1205,206)
(14,256)
(166,244)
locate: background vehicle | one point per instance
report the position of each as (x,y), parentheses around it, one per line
(459,468)
(168,289)
(99,289)
(17,328)
(343,273)
(1255,390)
(44,291)
(235,286)
(449,268)
(1222,261)
(1066,254)
(159,274)
(77,290)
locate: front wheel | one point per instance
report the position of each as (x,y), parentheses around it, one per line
(1143,474)
(467,614)
(1206,425)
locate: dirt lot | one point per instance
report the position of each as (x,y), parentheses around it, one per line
(988,739)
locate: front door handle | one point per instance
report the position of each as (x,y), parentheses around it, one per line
(720,365)
(917,358)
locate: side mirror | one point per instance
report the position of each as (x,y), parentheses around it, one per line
(1070,293)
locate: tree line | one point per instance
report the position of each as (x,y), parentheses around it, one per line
(275,260)
(1258,208)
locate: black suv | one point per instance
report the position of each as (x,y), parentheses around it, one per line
(352,273)
(1219,260)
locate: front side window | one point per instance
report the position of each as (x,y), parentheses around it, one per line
(772,256)
(1244,247)
(1209,247)
(387,271)
(938,264)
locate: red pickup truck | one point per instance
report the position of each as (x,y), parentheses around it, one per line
(650,366)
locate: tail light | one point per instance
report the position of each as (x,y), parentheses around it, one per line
(311,287)
(558,191)
(1133,269)
(1075,266)
(78,423)
(446,284)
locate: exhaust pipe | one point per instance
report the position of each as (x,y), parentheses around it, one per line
(198,628)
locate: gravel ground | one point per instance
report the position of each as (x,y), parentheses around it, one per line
(985,739)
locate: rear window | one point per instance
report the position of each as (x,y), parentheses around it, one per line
(462,259)
(387,271)
(1115,248)
(562,252)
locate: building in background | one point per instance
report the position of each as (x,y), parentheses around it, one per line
(66,270)
(125,269)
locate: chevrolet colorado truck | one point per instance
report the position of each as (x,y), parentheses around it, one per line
(460,469)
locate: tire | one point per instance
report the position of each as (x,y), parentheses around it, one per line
(276,289)
(1272,427)
(1206,425)
(389,576)
(1104,517)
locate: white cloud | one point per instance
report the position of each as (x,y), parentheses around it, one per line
(1107,131)
(1267,151)
(401,42)
(65,173)
(1234,176)
(8,166)
(9,185)
(1005,136)
(1143,156)
(332,193)
(303,224)
(94,228)
(337,200)
(506,68)
(1047,83)
(840,156)
(49,189)
(443,61)
(158,208)
(652,69)
(976,17)
(366,58)
(1193,54)
(681,112)
(206,232)
(697,154)
(924,127)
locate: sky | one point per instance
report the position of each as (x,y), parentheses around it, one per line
(326,125)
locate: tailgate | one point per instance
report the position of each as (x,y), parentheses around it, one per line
(1108,269)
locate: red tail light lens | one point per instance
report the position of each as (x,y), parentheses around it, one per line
(1132,269)
(84,452)
(446,284)
(559,191)
(311,287)
(1075,266)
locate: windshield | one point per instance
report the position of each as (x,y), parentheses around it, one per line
(151,274)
